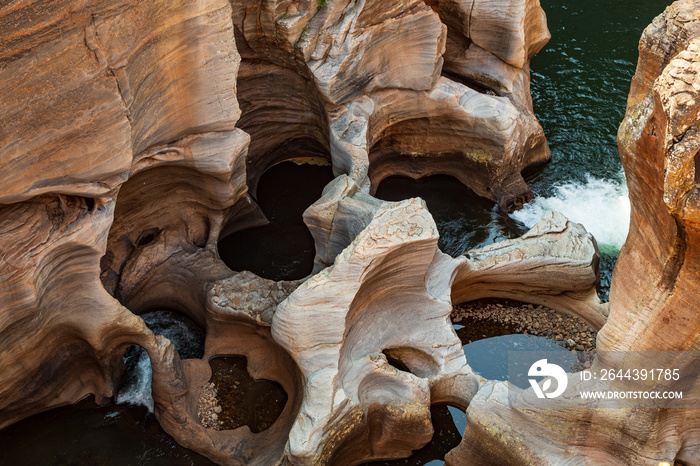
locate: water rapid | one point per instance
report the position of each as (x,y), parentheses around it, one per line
(188,339)
(601,205)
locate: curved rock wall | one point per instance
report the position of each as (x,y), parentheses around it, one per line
(97,94)
(371,78)
(654,294)
(128,157)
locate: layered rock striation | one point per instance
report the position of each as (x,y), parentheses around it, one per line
(376,88)
(127,158)
(654,291)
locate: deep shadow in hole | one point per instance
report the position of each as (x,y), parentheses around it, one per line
(283,249)
(464,220)
(90,204)
(245,401)
(395,362)
(446,437)
(85,434)
(147,237)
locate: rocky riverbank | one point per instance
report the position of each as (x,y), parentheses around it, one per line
(506,317)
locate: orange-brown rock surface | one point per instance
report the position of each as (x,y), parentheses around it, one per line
(368,85)
(654,294)
(126,158)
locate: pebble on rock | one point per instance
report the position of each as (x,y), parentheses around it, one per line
(572,332)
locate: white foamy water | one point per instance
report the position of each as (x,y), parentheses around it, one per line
(185,335)
(602,206)
(138,390)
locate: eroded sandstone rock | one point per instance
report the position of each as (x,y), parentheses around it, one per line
(654,289)
(127,161)
(368,88)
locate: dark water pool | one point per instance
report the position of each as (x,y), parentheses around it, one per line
(283,249)
(580,82)
(126,433)
(87,435)
(464,220)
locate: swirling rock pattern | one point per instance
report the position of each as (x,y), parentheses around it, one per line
(127,157)
(654,287)
(373,86)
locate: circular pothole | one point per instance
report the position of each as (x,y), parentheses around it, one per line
(234,399)
(492,330)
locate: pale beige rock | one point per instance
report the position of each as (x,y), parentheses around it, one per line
(555,264)
(339,326)
(513,30)
(341,213)
(654,289)
(453,129)
(359,50)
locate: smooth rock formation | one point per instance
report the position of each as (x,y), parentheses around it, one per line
(90,88)
(357,407)
(96,96)
(126,158)
(339,327)
(654,293)
(367,85)
(555,264)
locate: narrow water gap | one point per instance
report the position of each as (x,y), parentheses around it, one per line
(115,434)
(449,424)
(284,248)
(579,85)
(184,333)
(464,220)
(239,400)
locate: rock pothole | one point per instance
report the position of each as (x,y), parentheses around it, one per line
(233,399)
(490,318)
